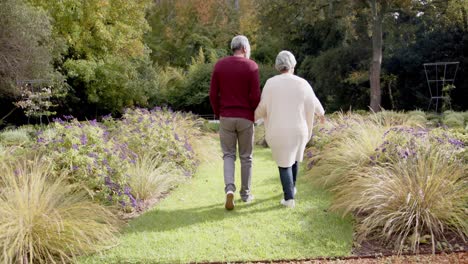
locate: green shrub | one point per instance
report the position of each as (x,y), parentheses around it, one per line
(15,137)
(159,132)
(453,119)
(45,220)
(416,120)
(434,119)
(259,137)
(417,113)
(90,156)
(465,116)
(211,127)
(389,118)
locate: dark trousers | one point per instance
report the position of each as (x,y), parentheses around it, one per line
(288,178)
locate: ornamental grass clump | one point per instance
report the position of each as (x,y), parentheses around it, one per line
(407,199)
(403,184)
(349,151)
(416,118)
(150,176)
(43,219)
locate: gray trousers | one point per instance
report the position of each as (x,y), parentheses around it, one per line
(233,131)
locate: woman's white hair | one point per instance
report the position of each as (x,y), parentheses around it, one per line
(285,61)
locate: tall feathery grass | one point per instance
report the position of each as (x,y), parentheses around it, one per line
(402,183)
(354,142)
(405,200)
(149,177)
(45,220)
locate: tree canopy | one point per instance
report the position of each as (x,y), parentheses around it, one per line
(112,54)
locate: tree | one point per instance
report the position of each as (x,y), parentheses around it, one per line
(179,28)
(26,45)
(105,53)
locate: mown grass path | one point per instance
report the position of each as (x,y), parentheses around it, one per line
(191,224)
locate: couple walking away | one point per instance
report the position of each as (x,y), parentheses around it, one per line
(287,105)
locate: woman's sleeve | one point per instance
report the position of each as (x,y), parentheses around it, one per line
(312,106)
(318,106)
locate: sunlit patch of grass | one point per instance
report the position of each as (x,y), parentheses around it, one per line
(191,224)
(45,220)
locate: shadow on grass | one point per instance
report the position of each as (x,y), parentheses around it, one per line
(160,220)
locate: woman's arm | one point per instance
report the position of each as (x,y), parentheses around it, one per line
(261,111)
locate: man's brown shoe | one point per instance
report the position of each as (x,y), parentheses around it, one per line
(229,200)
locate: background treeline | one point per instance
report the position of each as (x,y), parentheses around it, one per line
(100,56)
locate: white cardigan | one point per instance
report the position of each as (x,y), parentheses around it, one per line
(288,105)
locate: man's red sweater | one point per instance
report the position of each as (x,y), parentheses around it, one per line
(235,88)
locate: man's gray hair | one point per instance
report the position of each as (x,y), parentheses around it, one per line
(285,61)
(238,42)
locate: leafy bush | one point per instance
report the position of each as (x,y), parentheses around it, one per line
(44,219)
(453,119)
(416,118)
(259,137)
(15,137)
(211,127)
(160,132)
(90,157)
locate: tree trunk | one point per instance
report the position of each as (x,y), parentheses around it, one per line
(376,64)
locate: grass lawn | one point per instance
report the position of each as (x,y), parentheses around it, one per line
(191,225)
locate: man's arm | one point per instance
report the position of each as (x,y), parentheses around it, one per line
(214,93)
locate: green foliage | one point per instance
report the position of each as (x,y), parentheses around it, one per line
(99,156)
(417,118)
(27,48)
(159,133)
(89,156)
(453,119)
(113,83)
(45,220)
(179,29)
(15,137)
(105,58)
(338,92)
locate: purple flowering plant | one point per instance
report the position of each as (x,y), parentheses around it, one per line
(91,158)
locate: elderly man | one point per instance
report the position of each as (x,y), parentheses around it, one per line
(288,107)
(234,96)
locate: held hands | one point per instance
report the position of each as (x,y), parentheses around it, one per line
(321,119)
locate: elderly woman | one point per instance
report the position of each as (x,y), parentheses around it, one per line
(288,106)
